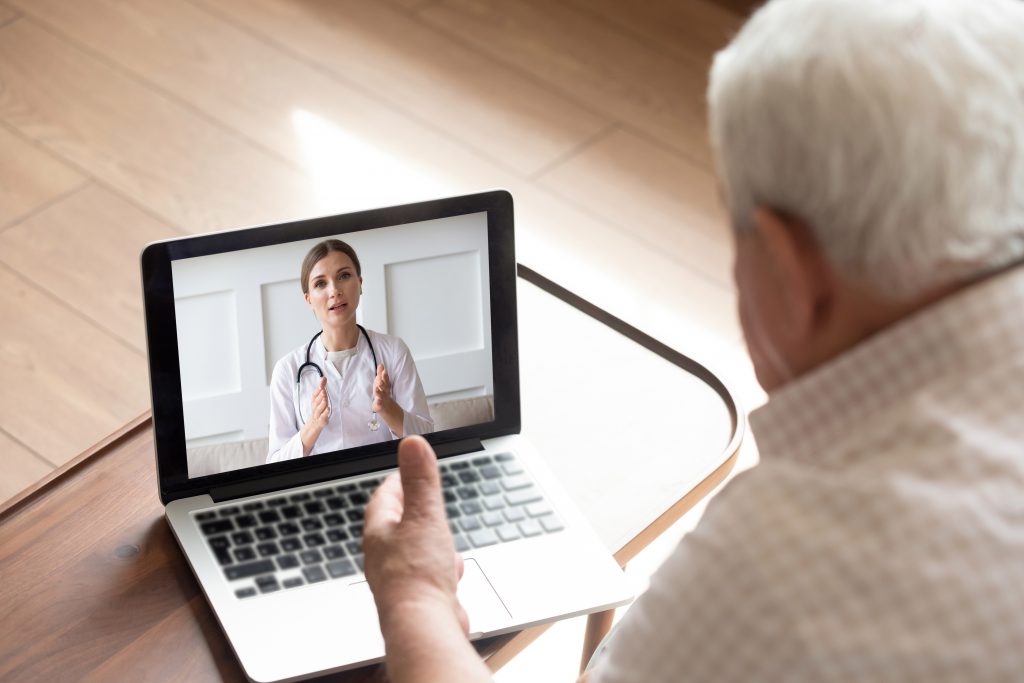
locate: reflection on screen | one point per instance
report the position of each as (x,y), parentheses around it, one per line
(244,326)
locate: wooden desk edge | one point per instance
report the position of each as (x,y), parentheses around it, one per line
(31,493)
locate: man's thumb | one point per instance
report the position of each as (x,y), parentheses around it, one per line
(421,483)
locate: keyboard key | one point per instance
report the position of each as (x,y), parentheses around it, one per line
(509,532)
(461,544)
(467,492)
(313,540)
(469,477)
(459,465)
(323,493)
(314,573)
(244,571)
(245,521)
(245,592)
(358,559)
(490,472)
(482,538)
(265,533)
(277,502)
(449,496)
(504,457)
(529,528)
(527,495)
(336,535)
(337,503)
(252,507)
(494,503)
(354,515)
(287,561)
(511,468)
(519,481)
(268,549)
(294,582)
(242,538)
(288,529)
(267,584)
(311,524)
(300,497)
(230,511)
(452,511)
(471,507)
(482,460)
(453,527)
(291,511)
(314,507)
(223,556)
(551,524)
(492,518)
(538,509)
(354,548)
(245,553)
(341,568)
(291,544)
(358,498)
(333,552)
(489,488)
(469,523)
(206,516)
(219,542)
(311,556)
(334,519)
(369,484)
(515,514)
(345,488)
(448,481)
(218,527)
(269,517)
(355,530)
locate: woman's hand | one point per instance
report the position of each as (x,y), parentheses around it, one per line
(319,414)
(386,406)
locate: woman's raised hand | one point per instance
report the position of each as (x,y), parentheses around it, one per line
(381,389)
(320,413)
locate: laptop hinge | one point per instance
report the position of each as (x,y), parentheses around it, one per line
(289,480)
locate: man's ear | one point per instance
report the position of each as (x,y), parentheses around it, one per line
(800,271)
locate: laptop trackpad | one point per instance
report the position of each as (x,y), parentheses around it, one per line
(485,609)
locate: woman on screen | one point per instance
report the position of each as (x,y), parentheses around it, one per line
(348,386)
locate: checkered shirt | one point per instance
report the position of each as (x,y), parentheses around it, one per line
(881,537)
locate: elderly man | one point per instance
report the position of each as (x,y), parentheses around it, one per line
(872,156)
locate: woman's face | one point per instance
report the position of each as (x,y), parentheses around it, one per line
(334,289)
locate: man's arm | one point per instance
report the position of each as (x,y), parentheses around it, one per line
(413,571)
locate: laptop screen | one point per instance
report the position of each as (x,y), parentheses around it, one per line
(328,340)
(389,335)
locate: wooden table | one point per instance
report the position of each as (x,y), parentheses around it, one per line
(94,587)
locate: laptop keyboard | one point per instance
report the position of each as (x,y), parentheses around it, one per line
(287,541)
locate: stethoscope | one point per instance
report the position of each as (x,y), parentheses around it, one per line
(373,424)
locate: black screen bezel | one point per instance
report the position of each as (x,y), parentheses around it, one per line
(162,340)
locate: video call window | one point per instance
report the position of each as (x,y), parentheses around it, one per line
(417,303)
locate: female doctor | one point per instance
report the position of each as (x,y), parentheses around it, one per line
(348,386)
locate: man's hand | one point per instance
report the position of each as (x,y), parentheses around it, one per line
(413,570)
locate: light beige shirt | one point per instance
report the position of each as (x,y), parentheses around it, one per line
(881,537)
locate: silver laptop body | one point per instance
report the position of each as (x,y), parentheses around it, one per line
(276,547)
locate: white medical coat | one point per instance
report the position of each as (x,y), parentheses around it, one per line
(351,397)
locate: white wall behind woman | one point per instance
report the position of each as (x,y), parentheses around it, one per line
(237,313)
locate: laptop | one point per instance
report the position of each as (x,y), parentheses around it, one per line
(268,510)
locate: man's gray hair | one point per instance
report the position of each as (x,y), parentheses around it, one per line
(893,128)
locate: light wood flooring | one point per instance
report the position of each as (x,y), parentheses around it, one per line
(127,121)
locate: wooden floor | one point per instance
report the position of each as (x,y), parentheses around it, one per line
(127,121)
